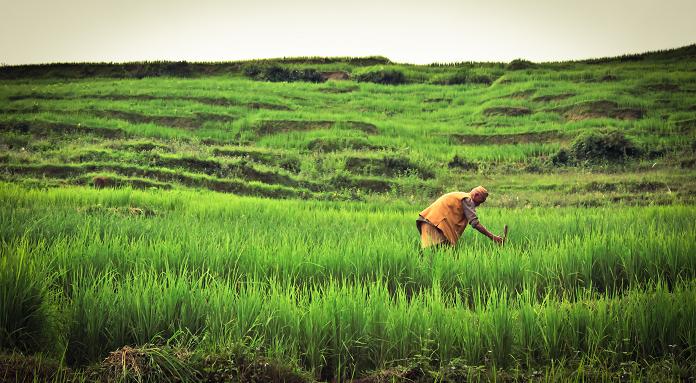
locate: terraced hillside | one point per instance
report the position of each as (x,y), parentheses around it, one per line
(516,127)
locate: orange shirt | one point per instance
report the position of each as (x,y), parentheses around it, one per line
(451,214)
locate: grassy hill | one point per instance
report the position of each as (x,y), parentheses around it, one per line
(443,127)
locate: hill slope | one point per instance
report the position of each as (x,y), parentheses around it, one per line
(521,128)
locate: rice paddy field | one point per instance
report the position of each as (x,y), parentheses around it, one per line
(254,221)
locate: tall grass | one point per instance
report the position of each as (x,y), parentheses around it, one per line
(343,288)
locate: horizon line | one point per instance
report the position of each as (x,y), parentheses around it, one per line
(279,58)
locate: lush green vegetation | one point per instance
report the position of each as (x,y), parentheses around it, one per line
(252,221)
(611,284)
(348,139)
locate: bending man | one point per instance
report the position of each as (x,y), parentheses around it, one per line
(444,221)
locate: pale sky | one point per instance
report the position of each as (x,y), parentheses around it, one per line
(44,31)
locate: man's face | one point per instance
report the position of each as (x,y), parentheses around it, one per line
(478,198)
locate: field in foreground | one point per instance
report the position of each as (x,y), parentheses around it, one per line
(343,290)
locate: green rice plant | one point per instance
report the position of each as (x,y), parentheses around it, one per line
(30,320)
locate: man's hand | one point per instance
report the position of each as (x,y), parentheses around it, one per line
(484,231)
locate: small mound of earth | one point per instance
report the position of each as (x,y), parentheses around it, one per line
(374,185)
(334,144)
(608,77)
(437,99)
(283,126)
(43,129)
(633,187)
(338,90)
(521,94)
(29,368)
(599,109)
(265,105)
(147,97)
(387,166)
(686,126)
(172,121)
(364,126)
(514,138)
(397,374)
(663,87)
(553,97)
(507,111)
(336,75)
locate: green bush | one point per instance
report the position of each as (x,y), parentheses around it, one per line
(384,76)
(518,64)
(462,163)
(457,78)
(480,79)
(562,157)
(277,73)
(607,145)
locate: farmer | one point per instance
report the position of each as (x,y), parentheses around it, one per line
(444,221)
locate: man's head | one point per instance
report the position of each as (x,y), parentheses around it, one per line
(479,195)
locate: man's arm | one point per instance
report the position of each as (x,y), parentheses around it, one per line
(482,229)
(470,214)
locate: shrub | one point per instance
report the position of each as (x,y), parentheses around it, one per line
(457,78)
(480,79)
(462,163)
(607,145)
(384,76)
(518,64)
(463,77)
(154,69)
(562,157)
(277,73)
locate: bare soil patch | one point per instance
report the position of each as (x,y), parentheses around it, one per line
(364,126)
(514,138)
(265,105)
(28,368)
(43,129)
(523,94)
(335,144)
(396,374)
(336,75)
(283,184)
(373,185)
(290,163)
(146,97)
(140,146)
(662,87)
(136,118)
(608,78)
(553,97)
(627,186)
(598,109)
(387,166)
(346,89)
(507,111)
(437,99)
(283,126)
(171,121)
(686,126)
